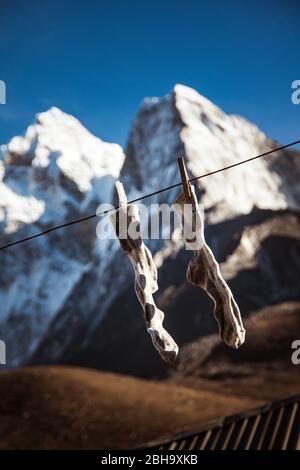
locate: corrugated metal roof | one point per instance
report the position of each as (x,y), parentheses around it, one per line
(275,426)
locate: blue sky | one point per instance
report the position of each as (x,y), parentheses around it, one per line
(98,59)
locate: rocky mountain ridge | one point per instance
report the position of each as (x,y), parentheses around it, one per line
(61,294)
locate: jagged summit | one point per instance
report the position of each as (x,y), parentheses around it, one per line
(188,124)
(57,155)
(79,155)
(180,91)
(185,92)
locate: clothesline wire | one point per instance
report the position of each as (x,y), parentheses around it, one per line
(83,219)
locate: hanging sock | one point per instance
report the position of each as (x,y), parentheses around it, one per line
(126,222)
(203,270)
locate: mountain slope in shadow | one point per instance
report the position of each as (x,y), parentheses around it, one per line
(263,367)
(72,408)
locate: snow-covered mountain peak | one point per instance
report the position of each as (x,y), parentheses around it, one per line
(55,117)
(79,155)
(184,123)
(183,92)
(57,172)
(58,167)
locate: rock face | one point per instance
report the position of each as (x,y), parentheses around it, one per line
(69,298)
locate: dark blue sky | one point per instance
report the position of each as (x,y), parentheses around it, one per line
(98,59)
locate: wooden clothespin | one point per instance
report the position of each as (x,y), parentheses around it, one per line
(121,193)
(121,227)
(184,178)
